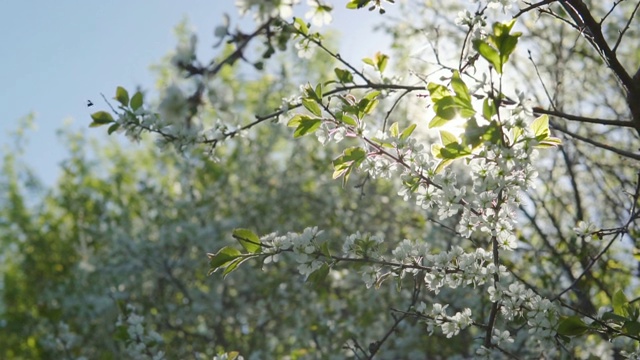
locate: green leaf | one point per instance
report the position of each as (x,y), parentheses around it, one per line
(348,120)
(460,88)
(620,304)
(343,165)
(447,138)
(443,164)
(489,109)
(437,91)
(122,96)
(407,132)
(381,61)
(370,106)
(248,239)
(540,127)
(572,326)
(357,4)
(319,92)
(233,265)
(475,135)
(437,121)
(499,46)
(324,249)
(610,316)
(318,277)
(454,151)
(488,53)
(504,41)
(113,128)
(394,130)
(101,118)
(304,125)
(368,61)
(301,26)
(121,333)
(446,106)
(136,101)
(549,142)
(344,76)
(371,95)
(632,328)
(222,258)
(312,106)
(307,126)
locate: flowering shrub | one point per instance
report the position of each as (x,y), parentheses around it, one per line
(495,138)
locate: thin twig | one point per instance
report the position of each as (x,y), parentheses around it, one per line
(624,30)
(598,144)
(533,6)
(559,114)
(586,269)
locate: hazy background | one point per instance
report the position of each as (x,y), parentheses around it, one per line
(58,55)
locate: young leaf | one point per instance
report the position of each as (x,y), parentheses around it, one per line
(549,142)
(489,109)
(357,4)
(572,326)
(122,96)
(540,127)
(381,61)
(318,277)
(113,128)
(101,118)
(620,304)
(460,88)
(368,61)
(488,53)
(301,26)
(312,106)
(222,258)
(437,91)
(610,316)
(348,120)
(304,125)
(443,164)
(345,163)
(371,95)
(447,138)
(370,106)
(248,239)
(632,328)
(233,265)
(394,130)
(407,132)
(344,76)
(136,101)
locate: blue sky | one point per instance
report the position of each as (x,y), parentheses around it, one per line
(59,54)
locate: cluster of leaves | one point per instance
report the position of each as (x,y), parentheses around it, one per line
(128,106)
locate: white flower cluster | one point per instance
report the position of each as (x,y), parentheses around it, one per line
(437,317)
(228,356)
(63,339)
(263,10)
(141,342)
(319,13)
(305,247)
(465,18)
(586,230)
(497,4)
(185,52)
